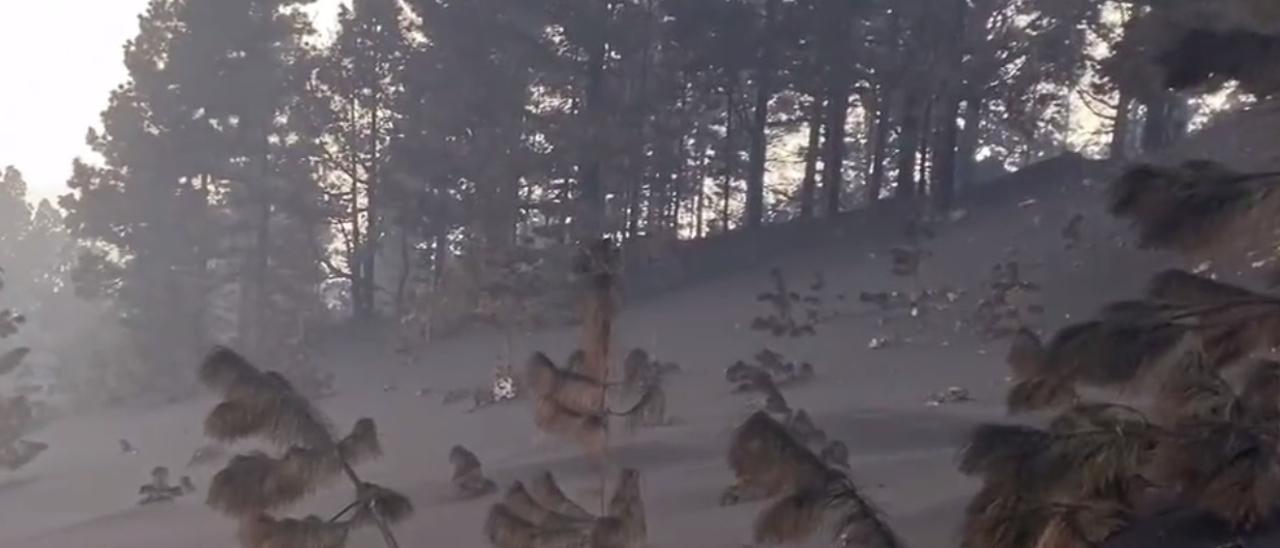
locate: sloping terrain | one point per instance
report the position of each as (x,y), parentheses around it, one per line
(82,492)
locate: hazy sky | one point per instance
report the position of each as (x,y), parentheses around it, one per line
(59,60)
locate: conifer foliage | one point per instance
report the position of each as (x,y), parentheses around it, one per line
(1196,438)
(807,493)
(16,413)
(573,402)
(542,516)
(264,405)
(792,313)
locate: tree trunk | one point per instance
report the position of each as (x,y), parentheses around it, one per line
(591,196)
(1120,130)
(809,186)
(968,143)
(675,200)
(256,298)
(700,202)
(879,146)
(944,148)
(372,232)
(1166,122)
(834,145)
(837,66)
(944,155)
(760,125)
(406,270)
(440,262)
(642,175)
(633,200)
(659,187)
(730,151)
(908,145)
(926,139)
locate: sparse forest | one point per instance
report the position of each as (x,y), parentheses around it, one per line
(349,196)
(256,180)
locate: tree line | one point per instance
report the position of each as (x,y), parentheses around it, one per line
(255,177)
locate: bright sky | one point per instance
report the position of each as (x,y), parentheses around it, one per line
(59,61)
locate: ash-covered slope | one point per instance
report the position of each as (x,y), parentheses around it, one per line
(82,493)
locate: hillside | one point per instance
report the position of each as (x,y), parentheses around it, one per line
(82,493)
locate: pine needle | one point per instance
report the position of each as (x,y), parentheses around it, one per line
(383,503)
(1260,395)
(1039,393)
(1128,341)
(10,360)
(1244,488)
(573,391)
(998,516)
(223,369)
(468,474)
(260,404)
(19,453)
(627,506)
(255,483)
(792,518)
(547,491)
(521,503)
(362,444)
(1085,525)
(1192,392)
(1026,355)
(765,457)
(1230,321)
(857,522)
(1179,207)
(263,531)
(1002,448)
(1201,208)
(506,529)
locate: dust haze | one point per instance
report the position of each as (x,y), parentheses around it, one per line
(651,273)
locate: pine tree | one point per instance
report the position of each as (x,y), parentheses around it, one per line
(265,405)
(16,412)
(201,213)
(15,212)
(1086,477)
(144,215)
(573,403)
(361,81)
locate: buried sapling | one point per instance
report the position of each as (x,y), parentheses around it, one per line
(264,405)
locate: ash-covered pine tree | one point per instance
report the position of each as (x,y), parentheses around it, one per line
(264,405)
(1106,474)
(16,413)
(1011,303)
(912,306)
(542,516)
(793,314)
(646,378)
(1099,468)
(573,403)
(807,492)
(511,297)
